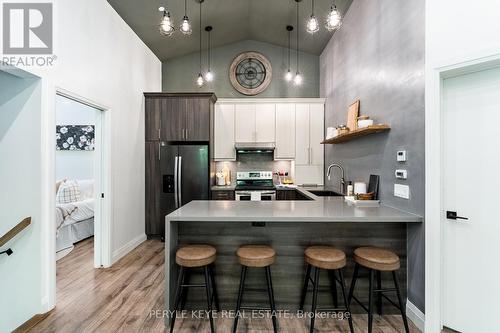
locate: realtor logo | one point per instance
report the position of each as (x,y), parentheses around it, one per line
(27,28)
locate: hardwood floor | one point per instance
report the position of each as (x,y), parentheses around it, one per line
(121,298)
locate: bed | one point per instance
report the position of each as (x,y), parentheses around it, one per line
(75,220)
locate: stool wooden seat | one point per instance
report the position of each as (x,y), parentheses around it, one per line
(198,255)
(190,257)
(325,257)
(333,260)
(376,258)
(256,255)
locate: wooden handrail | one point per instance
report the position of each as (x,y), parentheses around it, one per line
(14,231)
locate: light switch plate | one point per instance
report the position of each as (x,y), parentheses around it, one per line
(401,155)
(402,191)
(401,174)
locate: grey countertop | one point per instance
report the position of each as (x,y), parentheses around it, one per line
(319,209)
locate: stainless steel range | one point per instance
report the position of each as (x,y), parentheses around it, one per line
(255,186)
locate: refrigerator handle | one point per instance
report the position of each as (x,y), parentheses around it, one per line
(175,183)
(180,181)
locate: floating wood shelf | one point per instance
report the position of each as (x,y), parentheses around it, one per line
(357,134)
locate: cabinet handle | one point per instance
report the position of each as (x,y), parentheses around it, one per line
(159,151)
(311,161)
(159,133)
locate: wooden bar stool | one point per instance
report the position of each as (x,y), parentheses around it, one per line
(377,260)
(333,260)
(189,257)
(256,256)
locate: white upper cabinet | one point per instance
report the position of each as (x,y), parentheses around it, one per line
(302,151)
(245,122)
(285,131)
(224,132)
(317,133)
(265,122)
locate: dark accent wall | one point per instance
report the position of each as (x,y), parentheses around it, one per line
(179,74)
(378,57)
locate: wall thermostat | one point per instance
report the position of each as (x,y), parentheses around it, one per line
(401,156)
(401,174)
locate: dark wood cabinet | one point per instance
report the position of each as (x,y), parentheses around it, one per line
(290,194)
(152,119)
(197,119)
(173,119)
(153,188)
(222,195)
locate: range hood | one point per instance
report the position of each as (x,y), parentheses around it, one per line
(255,147)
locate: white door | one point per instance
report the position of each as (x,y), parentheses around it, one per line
(302,152)
(471,248)
(265,122)
(224,132)
(244,122)
(285,131)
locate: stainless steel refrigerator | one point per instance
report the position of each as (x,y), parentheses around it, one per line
(185,176)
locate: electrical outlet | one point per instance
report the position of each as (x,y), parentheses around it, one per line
(401,174)
(401,156)
(402,191)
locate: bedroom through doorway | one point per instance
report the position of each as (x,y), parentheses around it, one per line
(78,172)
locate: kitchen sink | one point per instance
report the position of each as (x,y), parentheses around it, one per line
(326,193)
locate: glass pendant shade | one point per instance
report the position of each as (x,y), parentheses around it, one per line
(297,79)
(312,25)
(185,27)
(209,76)
(288,76)
(334,19)
(200,81)
(166,25)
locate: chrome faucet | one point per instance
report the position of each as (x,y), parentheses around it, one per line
(342,179)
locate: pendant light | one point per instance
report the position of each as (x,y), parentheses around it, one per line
(298,77)
(185,27)
(209,76)
(166,26)
(312,24)
(289,75)
(334,18)
(200,81)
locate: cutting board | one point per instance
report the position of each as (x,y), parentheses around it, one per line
(352,116)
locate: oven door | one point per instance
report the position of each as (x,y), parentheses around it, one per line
(255,195)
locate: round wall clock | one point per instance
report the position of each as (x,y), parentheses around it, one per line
(250,73)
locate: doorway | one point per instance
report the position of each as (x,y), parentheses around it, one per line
(80,166)
(471,232)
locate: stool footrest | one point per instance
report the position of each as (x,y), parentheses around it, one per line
(254,308)
(193,286)
(256,290)
(332,310)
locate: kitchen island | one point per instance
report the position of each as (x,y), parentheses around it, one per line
(288,226)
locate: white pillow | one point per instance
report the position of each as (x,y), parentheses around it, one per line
(86,188)
(68,192)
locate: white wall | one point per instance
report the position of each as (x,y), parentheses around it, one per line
(74,164)
(457,32)
(101,59)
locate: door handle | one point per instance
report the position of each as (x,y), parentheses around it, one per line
(176,185)
(453,216)
(179,188)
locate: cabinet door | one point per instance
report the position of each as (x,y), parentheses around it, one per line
(197,127)
(317,133)
(302,153)
(153,188)
(285,131)
(224,132)
(152,119)
(222,195)
(265,122)
(244,122)
(173,119)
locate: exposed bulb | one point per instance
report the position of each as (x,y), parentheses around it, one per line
(200,81)
(288,76)
(166,25)
(209,76)
(298,79)
(334,19)
(312,25)
(185,27)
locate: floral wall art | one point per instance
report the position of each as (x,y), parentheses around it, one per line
(75,137)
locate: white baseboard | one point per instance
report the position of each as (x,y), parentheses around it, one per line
(125,249)
(415,315)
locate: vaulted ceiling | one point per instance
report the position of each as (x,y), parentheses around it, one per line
(232,20)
